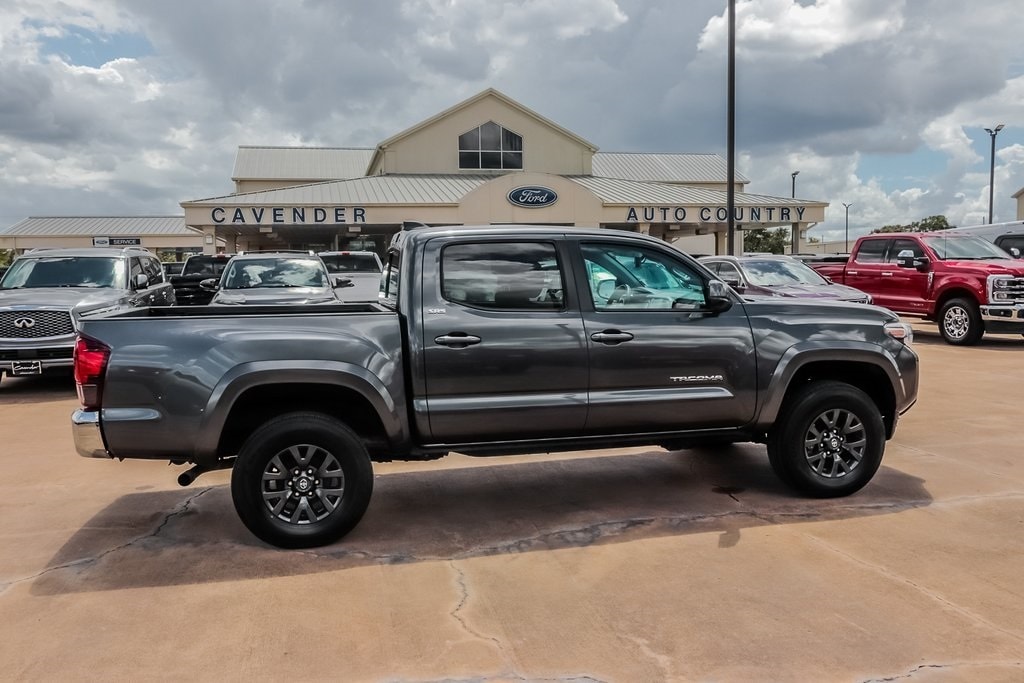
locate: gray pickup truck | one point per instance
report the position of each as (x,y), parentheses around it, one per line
(491,341)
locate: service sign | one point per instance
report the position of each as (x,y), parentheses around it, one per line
(532,197)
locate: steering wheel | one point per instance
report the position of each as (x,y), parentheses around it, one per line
(620,294)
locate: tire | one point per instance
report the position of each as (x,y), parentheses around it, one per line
(828,441)
(302,480)
(960,322)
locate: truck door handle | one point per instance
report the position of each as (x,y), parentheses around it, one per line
(852,272)
(457,340)
(887,273)
(611,337)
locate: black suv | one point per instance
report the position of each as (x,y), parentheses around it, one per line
(46,291)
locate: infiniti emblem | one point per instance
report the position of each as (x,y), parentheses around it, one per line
(25,323)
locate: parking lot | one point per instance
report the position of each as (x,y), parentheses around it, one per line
(625,565)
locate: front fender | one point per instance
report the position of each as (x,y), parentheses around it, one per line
(902,375)
(389,407)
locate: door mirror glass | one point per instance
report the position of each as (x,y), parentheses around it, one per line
(140,281)
(719,299)
(605,288)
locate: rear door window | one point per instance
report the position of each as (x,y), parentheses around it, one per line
(872,251)
(503,275)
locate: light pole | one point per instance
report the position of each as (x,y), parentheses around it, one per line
(730,162)
(847,226)
(795,247)
(992,167)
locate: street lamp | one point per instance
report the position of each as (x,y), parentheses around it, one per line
(992,167)
(795,246)
(847,226)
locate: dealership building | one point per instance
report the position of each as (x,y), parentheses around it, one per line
(486,160)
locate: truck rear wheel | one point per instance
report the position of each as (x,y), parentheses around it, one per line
(960,322)
(302,480)
(828,441)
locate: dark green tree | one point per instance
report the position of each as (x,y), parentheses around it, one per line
(765,240)
(929,224)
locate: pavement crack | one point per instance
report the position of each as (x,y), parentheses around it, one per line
(922,668)
(179,510)
(460,579)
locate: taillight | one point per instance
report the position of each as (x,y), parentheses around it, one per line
(91,358)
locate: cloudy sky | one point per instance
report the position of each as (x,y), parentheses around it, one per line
(128,107)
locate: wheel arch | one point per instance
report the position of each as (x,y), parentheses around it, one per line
(252,394)
(955,292)
(866,370)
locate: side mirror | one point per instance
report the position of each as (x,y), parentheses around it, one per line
(719,299)
(209,284)
(906,259)
(342,282)
(140,281)
(1014,252)
(605,288)
(734,283)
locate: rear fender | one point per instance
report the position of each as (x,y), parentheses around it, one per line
(390,408)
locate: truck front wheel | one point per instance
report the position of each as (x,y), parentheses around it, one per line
(960,322)
(302,480)
(828,441)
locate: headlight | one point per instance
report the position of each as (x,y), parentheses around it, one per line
(900,331)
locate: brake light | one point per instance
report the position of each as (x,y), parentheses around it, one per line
(91,358)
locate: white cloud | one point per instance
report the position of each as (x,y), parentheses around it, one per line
(877,102)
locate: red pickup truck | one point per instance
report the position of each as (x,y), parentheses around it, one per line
(966,284)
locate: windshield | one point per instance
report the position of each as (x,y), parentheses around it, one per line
(351,263)
(779,272)
(65,271)
(209,266)
(963,248)
(275,272)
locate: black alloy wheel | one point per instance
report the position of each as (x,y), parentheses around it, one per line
(302,480)
(828,441)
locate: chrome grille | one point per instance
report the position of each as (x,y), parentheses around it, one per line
(1017,289)
(35,324)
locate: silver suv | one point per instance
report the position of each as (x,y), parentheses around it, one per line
(46,291)
(272,278)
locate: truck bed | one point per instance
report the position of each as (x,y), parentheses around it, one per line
(247,311)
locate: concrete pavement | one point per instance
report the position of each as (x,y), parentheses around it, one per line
(627,565)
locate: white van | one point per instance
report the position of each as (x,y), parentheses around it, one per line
(1008,236)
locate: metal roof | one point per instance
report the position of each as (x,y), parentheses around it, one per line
(616,191)
(300,163)
(450,189)
(384,189)
(85,226)
(666,168)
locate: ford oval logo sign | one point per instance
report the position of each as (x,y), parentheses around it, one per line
(532,197)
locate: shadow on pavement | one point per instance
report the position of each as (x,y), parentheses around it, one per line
(192,536)
(994,342)
(40,389)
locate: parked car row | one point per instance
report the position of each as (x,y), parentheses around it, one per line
(46,292)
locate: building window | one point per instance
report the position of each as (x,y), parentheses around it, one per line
(492,147)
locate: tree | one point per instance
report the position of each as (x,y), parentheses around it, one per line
(930,224)
(765,240)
